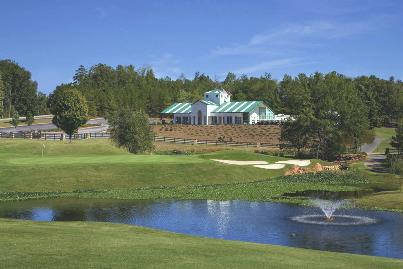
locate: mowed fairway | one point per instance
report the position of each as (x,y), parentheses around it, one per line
(26,244)
(98,165)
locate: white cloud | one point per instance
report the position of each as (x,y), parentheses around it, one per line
(283,39)
(268,66)
(166,65)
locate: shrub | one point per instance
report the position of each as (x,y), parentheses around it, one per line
(131,130)
(397,167)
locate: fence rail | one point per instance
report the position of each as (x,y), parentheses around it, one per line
(52,135)
(61,136)
(210,142)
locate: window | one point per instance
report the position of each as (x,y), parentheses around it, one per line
(214,120)
(229,119)
(216,95)
(238,120)
(178,120)
(206,95)
(262,113)
(185,120)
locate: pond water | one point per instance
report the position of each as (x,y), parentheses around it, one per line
(261,222)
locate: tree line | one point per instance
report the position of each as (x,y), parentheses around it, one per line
(19,95)
(331,112)
(106,88)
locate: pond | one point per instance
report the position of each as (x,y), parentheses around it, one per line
(260,222)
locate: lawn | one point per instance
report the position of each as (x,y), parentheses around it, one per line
(98,165)
(97,169)
(104,245)
(386,135)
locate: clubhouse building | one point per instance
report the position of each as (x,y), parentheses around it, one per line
(217,108)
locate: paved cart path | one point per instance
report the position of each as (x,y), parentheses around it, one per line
(375,161)
(101,122)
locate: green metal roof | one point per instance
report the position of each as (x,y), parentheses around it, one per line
(229,107)
(208,102)
(178,108)
(232,107)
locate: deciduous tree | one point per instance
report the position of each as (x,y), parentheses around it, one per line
(69,108)
(131,130)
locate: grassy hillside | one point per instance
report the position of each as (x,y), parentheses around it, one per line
(26,244)
(386,135)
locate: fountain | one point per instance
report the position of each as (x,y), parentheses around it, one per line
(328,208)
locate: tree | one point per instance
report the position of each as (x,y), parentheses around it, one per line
(298,132)
(29,119)
(42,104)
(20,90)
(397,140)
(69,108)
(2,94)
(329,115)
(131,130)
(15,119)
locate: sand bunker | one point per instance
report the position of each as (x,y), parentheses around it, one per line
(241,162)
(266,165)
(270,166)
(296,162)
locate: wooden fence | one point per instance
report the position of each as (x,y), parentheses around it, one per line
(210,142)
(55,136)
(52,135)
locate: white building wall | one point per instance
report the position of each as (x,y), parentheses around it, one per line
(253,117)
(205,111)
(219,98)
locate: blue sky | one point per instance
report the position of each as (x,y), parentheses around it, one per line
(51,38)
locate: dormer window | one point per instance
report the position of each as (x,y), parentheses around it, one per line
(216,95)
(206,95)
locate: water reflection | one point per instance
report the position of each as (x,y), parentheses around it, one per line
(236,220)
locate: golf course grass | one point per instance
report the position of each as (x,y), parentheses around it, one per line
(98,165)
(386,135)
(26,244)
(97,169)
